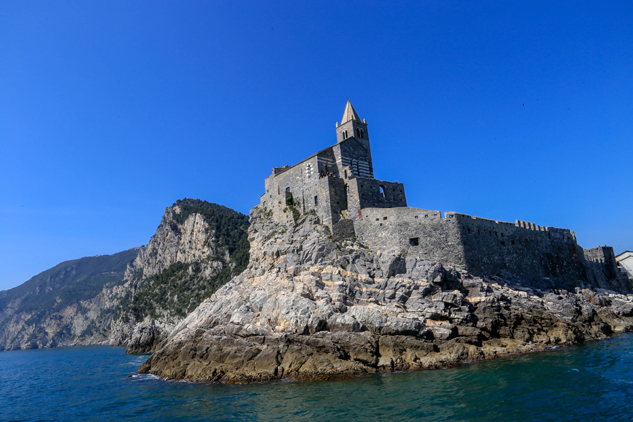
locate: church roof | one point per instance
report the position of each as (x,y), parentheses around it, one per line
(349,114)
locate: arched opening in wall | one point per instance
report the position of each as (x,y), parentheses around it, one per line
(316,200)
(344,134)
(289,199)
(345,172)
(382,190)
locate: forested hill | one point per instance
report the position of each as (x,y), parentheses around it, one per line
(68,282)
(51,308)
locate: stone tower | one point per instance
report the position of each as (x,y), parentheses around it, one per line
(352,128)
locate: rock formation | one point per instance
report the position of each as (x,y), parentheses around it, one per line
(310,306)
(193,252)
(132,297)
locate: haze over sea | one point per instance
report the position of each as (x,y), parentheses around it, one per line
(593,381)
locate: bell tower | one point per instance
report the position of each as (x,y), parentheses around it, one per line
(352,127)
(352,150)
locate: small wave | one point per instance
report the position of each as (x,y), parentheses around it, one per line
(144,377)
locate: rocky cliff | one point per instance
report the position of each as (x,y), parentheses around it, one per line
(308,306)
(198,247)
(133,298)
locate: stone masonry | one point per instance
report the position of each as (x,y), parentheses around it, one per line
(338,185)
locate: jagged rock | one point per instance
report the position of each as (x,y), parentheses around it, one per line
(146,336)
(310,306)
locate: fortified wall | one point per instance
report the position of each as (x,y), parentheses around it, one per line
(338,184)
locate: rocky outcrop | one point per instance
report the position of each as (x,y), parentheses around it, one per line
(308,306)
(145,337)
(189,257)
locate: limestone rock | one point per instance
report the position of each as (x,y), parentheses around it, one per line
(146,336)
(310,306)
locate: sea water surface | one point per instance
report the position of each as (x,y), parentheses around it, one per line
(593,381)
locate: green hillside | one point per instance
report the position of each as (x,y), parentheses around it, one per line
(180,288)
(67,283)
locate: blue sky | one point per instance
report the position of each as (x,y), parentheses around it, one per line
(111,111)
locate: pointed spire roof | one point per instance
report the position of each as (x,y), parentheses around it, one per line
(349,114)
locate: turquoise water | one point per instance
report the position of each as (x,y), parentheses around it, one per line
(593,381)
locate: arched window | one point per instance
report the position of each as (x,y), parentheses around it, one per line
(344,134)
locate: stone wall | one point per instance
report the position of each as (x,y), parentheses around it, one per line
(603,270)
(303,186)
(371,193)
(411,232)
(528,252)
(488,247)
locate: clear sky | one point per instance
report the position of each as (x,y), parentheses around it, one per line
(111,111)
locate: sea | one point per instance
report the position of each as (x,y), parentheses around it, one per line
(587,382)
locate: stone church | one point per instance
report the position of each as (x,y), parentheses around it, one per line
(338,184)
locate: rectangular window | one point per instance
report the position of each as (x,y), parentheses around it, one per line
(414,241)
(316,200)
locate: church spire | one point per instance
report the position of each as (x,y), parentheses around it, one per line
(349,114)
